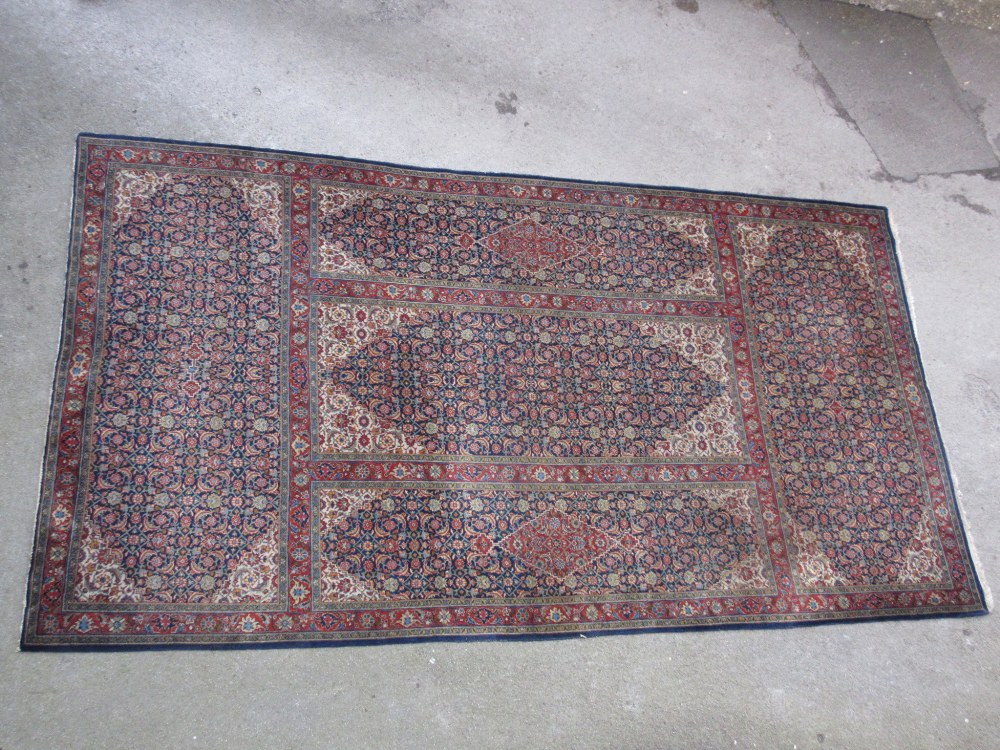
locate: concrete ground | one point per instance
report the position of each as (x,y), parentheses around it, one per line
(796,97)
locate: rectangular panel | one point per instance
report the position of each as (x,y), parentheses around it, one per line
(412,544)
(181,492)
(518,243)
(859,506)
(473,383)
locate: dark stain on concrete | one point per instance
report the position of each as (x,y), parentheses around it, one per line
(983,398)
(819,80)
(506,103)
(688,6)
(991,175)
(22,266)
(973,101)
(961,200)
(883,176)
(396,11)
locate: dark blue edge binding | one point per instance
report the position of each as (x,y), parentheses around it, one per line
(300,639)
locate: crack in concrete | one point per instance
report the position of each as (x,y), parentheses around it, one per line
(828,94)
(991,175)
(974,104)
(968,106)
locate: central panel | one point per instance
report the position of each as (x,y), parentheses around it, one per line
(479,384)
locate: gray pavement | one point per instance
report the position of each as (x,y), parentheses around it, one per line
(787,99)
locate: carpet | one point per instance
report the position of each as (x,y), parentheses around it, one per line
(304,398)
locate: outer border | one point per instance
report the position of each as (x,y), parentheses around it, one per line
(473,173)
(38,545)
(315,638)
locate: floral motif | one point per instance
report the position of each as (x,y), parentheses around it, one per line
(101,575)
(558,544)
(132,186)
(713,431)
(534,247)
(264,201)
(253,575)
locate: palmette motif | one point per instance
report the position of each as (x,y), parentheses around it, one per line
(309,398)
